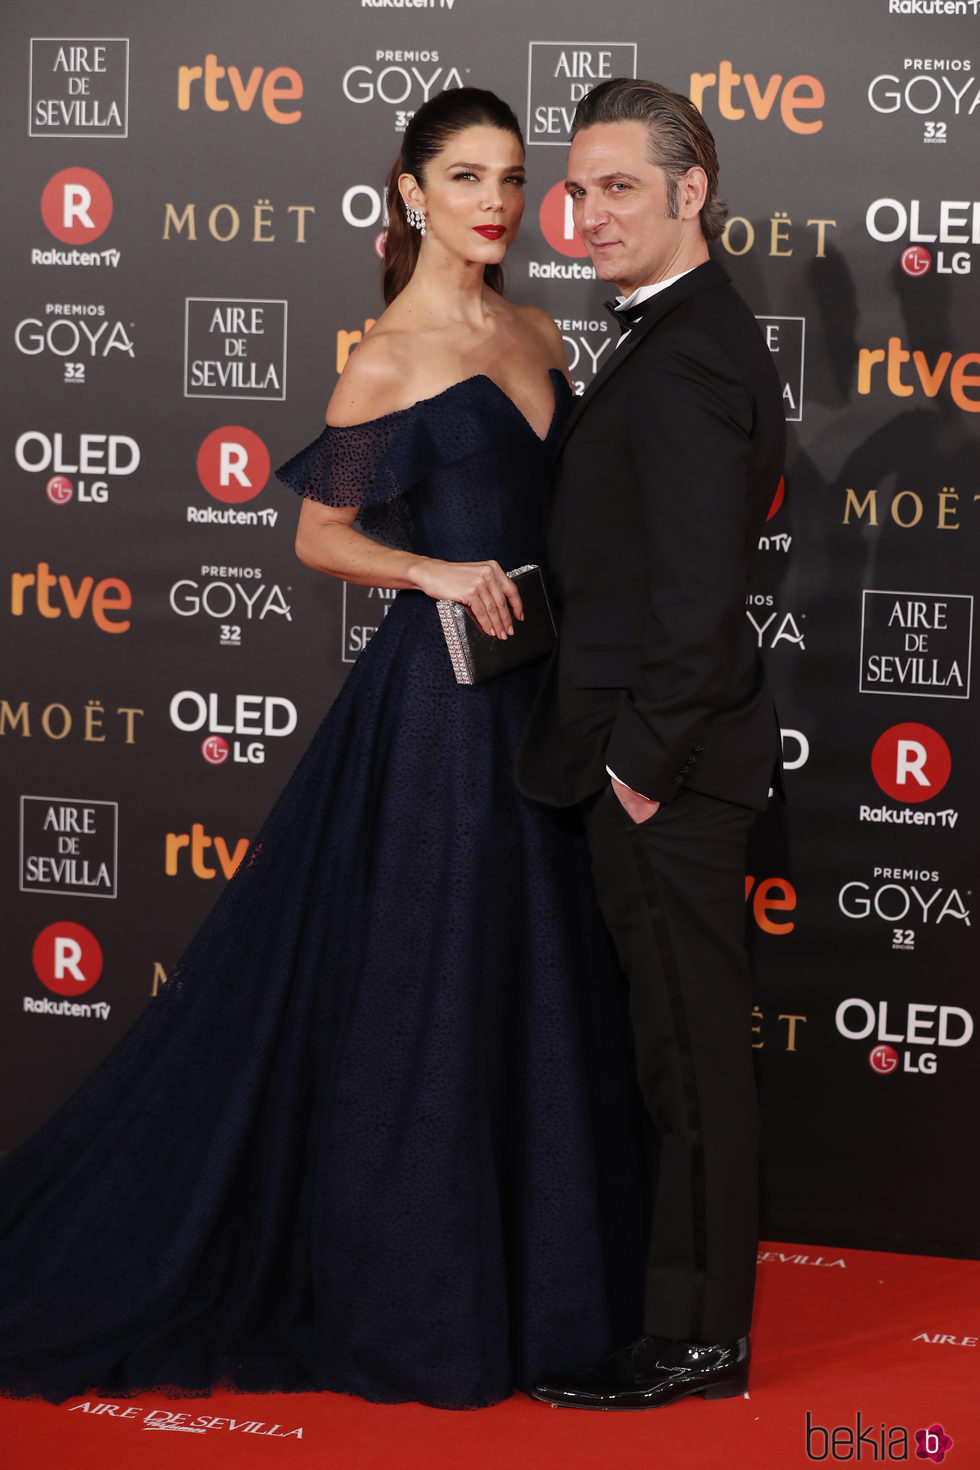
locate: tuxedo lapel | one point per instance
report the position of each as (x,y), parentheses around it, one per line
(699,279)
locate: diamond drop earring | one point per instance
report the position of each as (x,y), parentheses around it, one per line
(416,219)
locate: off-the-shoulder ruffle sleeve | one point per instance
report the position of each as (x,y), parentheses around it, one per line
(368,467)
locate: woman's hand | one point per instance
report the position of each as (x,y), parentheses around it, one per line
(482,586)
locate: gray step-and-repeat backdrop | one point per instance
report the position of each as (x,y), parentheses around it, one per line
(191,248)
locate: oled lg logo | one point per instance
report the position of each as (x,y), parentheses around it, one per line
(233,466)
(911,763)
(560,74)
(921,1025)
(954,222)
(67,959)
(76,207)
(94,459)
(246,716)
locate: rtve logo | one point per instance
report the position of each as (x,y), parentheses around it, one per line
(105,600)
(803,93)
(196,843)
(276,88)
(67,958)
(771,893)
(233,464)
(76,206)
(961,375)
(911,763)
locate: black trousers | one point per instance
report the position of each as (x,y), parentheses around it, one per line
(672,890)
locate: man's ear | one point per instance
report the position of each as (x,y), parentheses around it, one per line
(692,188)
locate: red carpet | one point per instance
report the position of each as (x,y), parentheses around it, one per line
(893,1339)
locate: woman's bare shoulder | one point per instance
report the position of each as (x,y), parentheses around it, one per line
(372,383)
(539,328)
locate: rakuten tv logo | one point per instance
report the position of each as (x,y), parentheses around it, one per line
(67,958)
(557,224)
(739,95)
(233,464)
(76,206)
(911,762)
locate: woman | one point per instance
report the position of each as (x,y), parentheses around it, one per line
(376,1133)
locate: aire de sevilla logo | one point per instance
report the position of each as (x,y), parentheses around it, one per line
(911,762)
(76,206)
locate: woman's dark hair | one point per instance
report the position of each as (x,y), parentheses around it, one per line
(427,134)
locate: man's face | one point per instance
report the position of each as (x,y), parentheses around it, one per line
(619,203)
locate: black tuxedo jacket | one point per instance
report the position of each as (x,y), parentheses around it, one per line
(665,472)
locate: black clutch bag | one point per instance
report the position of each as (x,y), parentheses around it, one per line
(477,656)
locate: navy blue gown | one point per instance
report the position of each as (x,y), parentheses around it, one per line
(377,1134)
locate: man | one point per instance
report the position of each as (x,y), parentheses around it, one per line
(655,713)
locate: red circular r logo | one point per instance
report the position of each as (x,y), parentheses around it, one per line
(233,464)
(67,958)
(911,762)
(76,206)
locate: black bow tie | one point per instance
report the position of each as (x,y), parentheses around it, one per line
(627,316)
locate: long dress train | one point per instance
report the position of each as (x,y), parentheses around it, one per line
(378,1132)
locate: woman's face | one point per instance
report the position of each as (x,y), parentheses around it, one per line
(473,196)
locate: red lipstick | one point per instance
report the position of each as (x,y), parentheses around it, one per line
(491,232)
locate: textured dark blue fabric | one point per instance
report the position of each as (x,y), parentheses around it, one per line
(378,1132)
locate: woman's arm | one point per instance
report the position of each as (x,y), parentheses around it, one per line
(327,541)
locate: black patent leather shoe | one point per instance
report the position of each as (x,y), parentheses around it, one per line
(652,1372)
